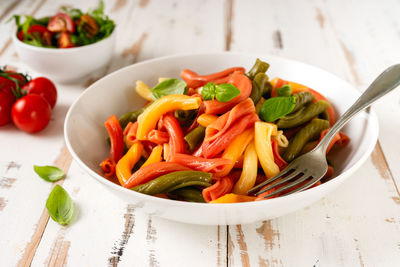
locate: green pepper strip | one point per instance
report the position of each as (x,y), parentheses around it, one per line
(303,115)
(302,99)
(165,183)
(260,87)
(191,194)
(195,137)
(258,67)
(130,117)
(309,132)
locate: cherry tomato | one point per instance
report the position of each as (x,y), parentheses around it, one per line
(61,22)
(8,85)
(6,102)
(43,87)
(64,41)
(39,30)
(31,113)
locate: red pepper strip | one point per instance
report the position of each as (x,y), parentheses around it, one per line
(200,164)
(176,142)
(214,147)
(277,157)
(243,83)
(117,145)
(108,167)
(151,171)
(193,80)
(330,110)
(340,138)
(158,137)
(220,188)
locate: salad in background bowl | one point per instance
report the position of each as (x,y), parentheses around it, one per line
(67,45)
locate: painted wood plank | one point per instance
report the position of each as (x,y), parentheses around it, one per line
(132,236)
(339,230)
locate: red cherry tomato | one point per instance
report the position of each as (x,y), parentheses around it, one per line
(64,41)
(41,31)
(43,87)
(8,85)
(6,102)
(61,22)
(31,113)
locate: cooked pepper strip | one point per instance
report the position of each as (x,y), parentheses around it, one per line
(149,118)
(191,194)
(206,119)
(195,137)
(155,156)
(165,183)
(117,145)
(233,198)
(130,117)
(126,163)
(151,171)
(176,142)
(220,188)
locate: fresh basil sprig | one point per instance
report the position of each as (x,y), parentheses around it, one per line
(168,87)
(276,107)
(222,92)
(60,206)
(49,173)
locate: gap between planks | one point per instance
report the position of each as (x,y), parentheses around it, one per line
(63,161)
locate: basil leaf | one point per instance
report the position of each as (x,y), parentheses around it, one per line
(49,173)
(60,206)
(208,91)
(169,87)
(226,92)
(285,90)
(276,107)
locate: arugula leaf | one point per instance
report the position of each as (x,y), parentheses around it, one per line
(208,91)
(226,92)
(60,206)
(285,90)
(49,173)
(222,92)
(169,87)
(276,107)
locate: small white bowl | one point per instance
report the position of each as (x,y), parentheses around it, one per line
(85,134)
(67,64)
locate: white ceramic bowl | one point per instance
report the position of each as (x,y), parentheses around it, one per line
(66,65)
(84,131)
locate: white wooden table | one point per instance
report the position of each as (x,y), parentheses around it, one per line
(357,225)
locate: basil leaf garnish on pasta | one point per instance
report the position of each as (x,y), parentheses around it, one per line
(276,107)
(169,87)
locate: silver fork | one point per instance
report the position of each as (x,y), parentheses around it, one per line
(313,165)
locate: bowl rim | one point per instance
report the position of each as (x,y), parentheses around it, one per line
(372,118)
(63,50)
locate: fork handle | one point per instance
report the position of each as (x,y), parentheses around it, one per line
(386,82)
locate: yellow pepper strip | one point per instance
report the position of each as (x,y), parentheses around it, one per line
(166,151)
(206,119)
(236,149)
(123,170)
(297,88)
(249,172)
(142,89)
(149,118)
(155,156)
(262,136)
(233,198)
